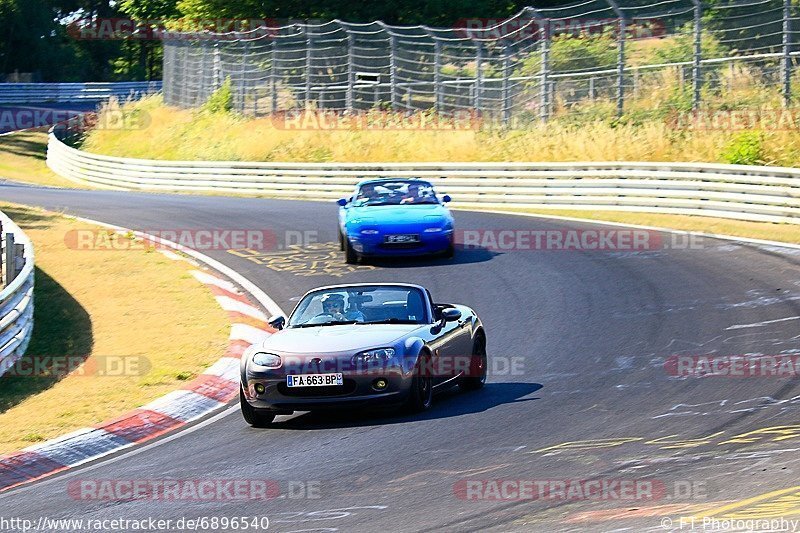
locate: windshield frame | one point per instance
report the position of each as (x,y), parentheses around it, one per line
(308,297)
(433,199)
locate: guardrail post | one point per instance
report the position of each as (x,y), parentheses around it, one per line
(9,262)
(787,50)
(19,259)
(623,30)
(697,56)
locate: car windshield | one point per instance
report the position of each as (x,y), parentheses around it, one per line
(399,192)
(379,304)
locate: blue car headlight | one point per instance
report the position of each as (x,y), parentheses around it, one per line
(267,360)
(374,357)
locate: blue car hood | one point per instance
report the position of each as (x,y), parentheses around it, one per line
(399,213)
(332,339)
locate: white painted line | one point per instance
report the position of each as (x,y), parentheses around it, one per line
(759,324)
(251,288)
(226,368)
(636,226)
(171,255)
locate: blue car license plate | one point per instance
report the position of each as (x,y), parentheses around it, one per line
(401,239)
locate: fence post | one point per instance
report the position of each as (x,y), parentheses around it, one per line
(351,73)
(506,88)
(437,76)
(478,103)
(309,65)
(545,81)
(787,58)
(243,80)
(623,30)
(273,77)
(697,56)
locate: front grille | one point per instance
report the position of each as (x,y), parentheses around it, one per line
(399,246)
(318,392)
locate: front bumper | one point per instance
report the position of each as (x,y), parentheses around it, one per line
(357,391)
(429,243)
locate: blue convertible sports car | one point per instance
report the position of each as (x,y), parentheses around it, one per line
(391,217)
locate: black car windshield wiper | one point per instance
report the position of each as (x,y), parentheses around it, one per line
(318,324)
(392,321)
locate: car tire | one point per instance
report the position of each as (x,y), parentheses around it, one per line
(420,397)
(341,242)
(478,366)
(350,255)
(450,251)
(255,418)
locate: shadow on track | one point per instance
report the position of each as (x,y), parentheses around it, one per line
(463,256)
(447,404)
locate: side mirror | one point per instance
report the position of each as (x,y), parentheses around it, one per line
(342,202)
(450,314)
(446,198)
(277,321)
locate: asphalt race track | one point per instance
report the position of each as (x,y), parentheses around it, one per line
(590,398)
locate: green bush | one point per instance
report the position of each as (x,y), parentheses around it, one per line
(746,148)
(221,100)
(571,53)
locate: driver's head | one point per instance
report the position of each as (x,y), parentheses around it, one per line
(413,189)
(333,303)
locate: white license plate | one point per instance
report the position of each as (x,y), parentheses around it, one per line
(314,380)
(400,239)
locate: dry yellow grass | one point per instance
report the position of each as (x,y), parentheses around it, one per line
(22,158)
(99,304)
(175,134)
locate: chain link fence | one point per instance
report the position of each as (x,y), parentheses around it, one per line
(596,56)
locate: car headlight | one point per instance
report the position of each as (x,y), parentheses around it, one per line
(369,232)
(267,359)
(434,230)
(373,357)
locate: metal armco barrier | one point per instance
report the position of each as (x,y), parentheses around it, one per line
(769,194)
(16,294)
(33,93)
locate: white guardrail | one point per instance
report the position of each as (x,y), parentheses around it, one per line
(16,294)
(769,194)
(37,93)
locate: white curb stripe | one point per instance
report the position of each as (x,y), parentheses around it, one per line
(183,405)
(78,446)
(229,304)
(208,279)
(226,368)
(248,333)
